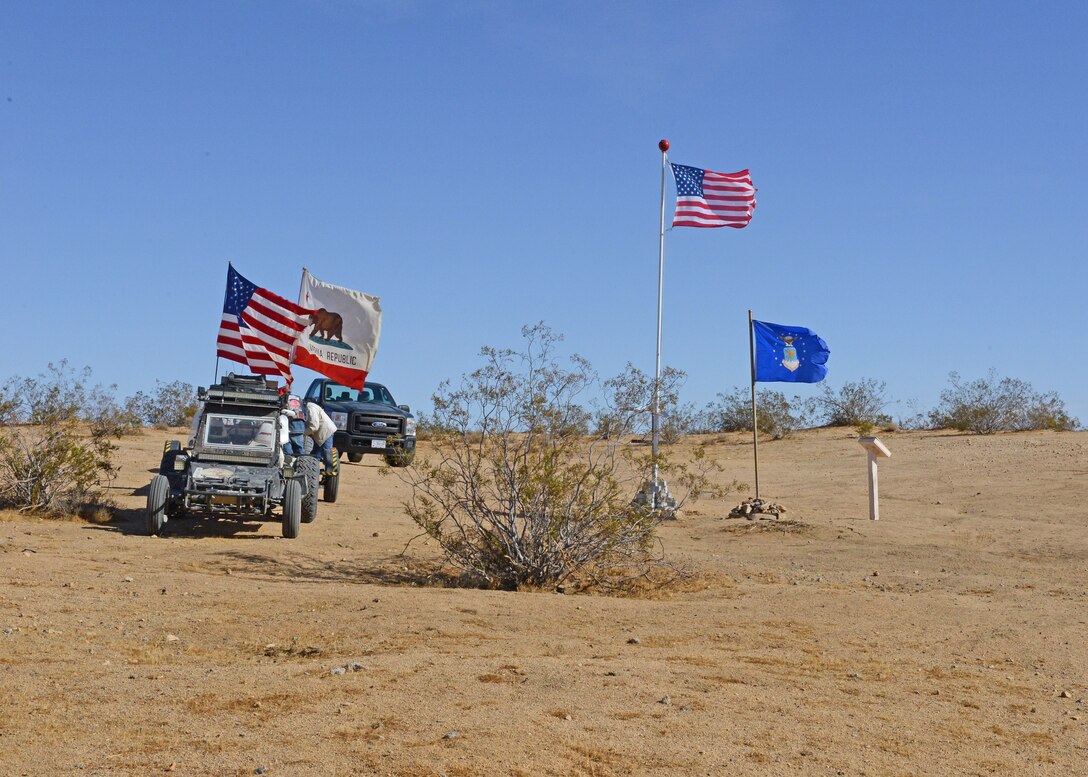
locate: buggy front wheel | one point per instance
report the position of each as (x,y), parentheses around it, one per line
(332,479)
(292,509)
(311,470)
(157,496)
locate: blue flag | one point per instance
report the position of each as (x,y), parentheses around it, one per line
(791,354)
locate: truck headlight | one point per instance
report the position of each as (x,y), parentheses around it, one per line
(410,427)
(340,419)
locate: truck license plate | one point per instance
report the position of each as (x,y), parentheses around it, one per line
(377,443)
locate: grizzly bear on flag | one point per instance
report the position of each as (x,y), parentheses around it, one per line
(327,325)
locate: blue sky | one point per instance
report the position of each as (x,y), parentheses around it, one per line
(483,165)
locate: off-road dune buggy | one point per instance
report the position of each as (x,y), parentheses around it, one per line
(235,465)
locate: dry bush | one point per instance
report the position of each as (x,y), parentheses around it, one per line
(778,416)
(55,449)
(168,404)
(989,405)
(860,405)
(514,494)
(629,405)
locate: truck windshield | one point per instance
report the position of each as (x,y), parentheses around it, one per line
(227,432)
(334,392)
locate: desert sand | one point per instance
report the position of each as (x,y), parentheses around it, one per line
(948,638)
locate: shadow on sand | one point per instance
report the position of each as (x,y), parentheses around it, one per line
(392,570)
(132,521)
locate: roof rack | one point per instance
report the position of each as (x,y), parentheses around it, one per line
(254,390)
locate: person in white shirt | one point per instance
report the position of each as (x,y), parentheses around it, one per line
(320,428)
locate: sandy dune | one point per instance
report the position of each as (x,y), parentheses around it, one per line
(949,638)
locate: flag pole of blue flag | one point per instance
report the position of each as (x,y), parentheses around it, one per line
(792,354)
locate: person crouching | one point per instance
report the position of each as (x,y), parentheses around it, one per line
(320,428)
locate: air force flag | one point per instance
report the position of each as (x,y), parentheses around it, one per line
(791,354)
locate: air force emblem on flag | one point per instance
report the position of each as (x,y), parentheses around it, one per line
(790,361)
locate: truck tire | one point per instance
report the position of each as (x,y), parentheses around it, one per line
(355,458)
(402,459)
(332,480)
(311,471)
(157,496)
(292,509)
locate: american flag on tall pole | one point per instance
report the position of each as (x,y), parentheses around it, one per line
(259,328)
(708,199)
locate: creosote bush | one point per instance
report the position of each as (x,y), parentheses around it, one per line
(989,405)
(513,491)
(168,404)
(858,404)
(778,416)
(630,401)
(54,441)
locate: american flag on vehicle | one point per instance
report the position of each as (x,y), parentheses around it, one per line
(259,328)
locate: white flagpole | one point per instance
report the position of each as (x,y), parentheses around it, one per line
(755,423)
(215,378)
(664,147)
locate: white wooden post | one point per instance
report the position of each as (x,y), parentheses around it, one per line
(876,450)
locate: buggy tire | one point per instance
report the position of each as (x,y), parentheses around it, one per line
(355,458)
(292,509)
(332,480)
(157,496)
(310,469)
(170,451)
(166,466)
(402,459)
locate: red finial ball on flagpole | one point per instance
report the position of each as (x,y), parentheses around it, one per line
(663,145)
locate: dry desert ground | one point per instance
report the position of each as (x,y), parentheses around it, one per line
(948,638)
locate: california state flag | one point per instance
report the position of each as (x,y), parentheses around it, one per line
(341,338)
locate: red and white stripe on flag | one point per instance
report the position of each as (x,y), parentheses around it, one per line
(272,325)
(726,200)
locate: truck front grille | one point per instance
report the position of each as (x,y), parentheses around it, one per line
(376,425)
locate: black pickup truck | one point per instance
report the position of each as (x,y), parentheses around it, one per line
(368,420)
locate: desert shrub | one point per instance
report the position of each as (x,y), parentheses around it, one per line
(512,491)
(910,417)
(778,416)
(1047,411)
(989,405)
(426,427)
(628,407)
(678,421)
(55,450)
(106,418)
(168,404)
(578,421)
(859,404)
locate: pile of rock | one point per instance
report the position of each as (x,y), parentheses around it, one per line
(655,494)
(750,508)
